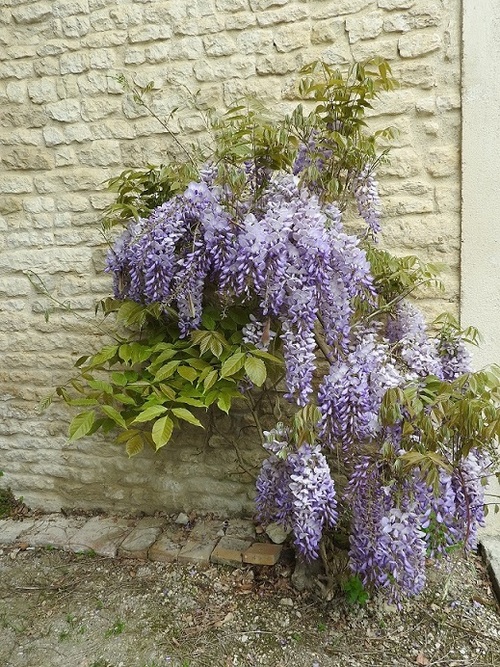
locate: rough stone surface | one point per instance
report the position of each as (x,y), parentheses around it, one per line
(53,531)
(102,536)
(197,553)
(229,551)
(137,543)
(490,546)
(166,549)
(66,127)
(262,553)
(10,531)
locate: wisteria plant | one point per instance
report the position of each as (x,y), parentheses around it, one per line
(237,273)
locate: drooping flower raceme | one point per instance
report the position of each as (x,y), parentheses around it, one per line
(387,543)
(295,489)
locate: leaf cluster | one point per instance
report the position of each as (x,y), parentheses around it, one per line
(148,387)
(441,422)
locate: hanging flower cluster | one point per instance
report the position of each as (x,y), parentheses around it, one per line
(286,251)
(295,489)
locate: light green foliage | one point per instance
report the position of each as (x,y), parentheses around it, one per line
(450,418)
(154,382)
(354,591)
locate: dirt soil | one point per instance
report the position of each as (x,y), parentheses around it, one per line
(69,610)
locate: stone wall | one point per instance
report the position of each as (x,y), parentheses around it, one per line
(66,126)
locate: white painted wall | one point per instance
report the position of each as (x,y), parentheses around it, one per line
(480,275)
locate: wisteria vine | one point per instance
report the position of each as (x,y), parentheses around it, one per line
(271,240)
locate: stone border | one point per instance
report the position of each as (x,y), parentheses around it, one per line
(208,542)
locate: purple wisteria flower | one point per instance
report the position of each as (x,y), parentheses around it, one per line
(367,198)
(295,489)
(350,395)
(387,543)
(416,348)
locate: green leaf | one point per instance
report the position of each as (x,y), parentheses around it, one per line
(232,365)
(186,415)
(162,431)
(256,371)
(210,380)
(216,347)
(134,445)
(119,379)
(103,355)
(100,385)
(81,425)
(125,399)
(188,373)
(150,413)
(167,370)
(224,402)
(114,415)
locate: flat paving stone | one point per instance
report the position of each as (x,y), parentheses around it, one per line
(166,549)
(11,531)
(262,553)
(103,536)
(229,551)
(207,530)
(241,528)
(137,543)
(197,553)
(53,530)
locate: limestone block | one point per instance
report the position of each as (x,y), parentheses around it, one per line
(150,33)
(64,157)
(416,75)
(196,553)
(102,59)
(262,553)
(73,63)
(285,15)
(385,48)
(70,7)
(442,161)
(99,40)
(126,16)
(140,539)
(290,38)
(15,184)
(42,90)
(279,64)
(199,26)
(48,66)
(66,111)
(394,206)
(426,106)
(75,26)
(9,205)
(101,21)
(368,26)
(219,45)
(323,10)
(186,48)
(49,260)
(418,44)
(254,41)
(35,13)
(100,153)
(231,5)
(327,31)
(393,103)
(16,70)
(240,21)
(16,92)
(157,53)
(28,158)
(135,56)
(396,4)
(259,5)
(99,107)
(52,49)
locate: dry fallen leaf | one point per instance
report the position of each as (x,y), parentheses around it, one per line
(421,660)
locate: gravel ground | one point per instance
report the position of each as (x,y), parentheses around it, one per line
(66,610)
